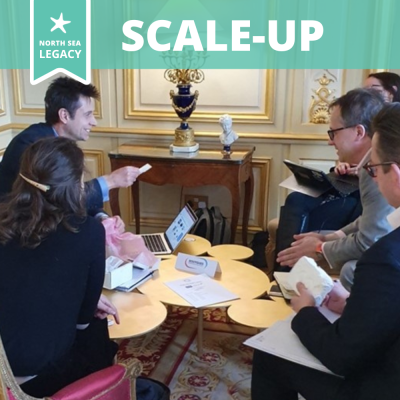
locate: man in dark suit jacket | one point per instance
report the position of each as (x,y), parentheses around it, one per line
(69,113)
(363,345)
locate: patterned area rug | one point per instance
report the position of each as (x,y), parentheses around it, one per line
(169,354)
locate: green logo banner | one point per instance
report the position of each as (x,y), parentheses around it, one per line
(199,34)
(60,39)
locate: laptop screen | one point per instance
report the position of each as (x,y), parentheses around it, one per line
(180,227)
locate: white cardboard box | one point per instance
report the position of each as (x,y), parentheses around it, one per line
(118,276)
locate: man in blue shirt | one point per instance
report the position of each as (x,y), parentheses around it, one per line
(69,113)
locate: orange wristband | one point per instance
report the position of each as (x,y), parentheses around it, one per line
(318,249)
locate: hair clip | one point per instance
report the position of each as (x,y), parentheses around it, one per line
(40,186)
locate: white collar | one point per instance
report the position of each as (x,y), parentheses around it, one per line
(394,218)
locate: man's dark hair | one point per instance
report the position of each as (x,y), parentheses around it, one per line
(64,92)
(387,125)
(388,80)
(359,106)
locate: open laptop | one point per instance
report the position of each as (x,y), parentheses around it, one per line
(167,242)
(314,178)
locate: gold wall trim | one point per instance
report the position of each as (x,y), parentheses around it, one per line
(98,156)
(2,97)
(155,132)
(130,112)
(21,110)
(6,127)
(244,135)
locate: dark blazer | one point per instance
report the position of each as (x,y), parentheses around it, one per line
(363,345)
(9,166)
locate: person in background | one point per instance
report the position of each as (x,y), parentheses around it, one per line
(363,345)
(386,83)
(69,113)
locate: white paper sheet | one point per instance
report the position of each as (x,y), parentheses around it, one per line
(281,341)
(292,184)
(201,291)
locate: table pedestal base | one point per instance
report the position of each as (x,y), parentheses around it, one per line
(184,149)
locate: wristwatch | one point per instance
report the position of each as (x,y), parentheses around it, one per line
(319,255)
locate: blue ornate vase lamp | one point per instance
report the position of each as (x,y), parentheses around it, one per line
(184,103)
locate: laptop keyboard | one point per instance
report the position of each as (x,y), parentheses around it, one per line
(342,186)
(154,243)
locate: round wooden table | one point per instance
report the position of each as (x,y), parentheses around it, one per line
(259,313)
(230,252)
(242,279)
(193,245)
(139,314)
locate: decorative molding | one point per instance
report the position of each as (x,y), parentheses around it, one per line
(162,223)
(319,107)
(132,112)
(161,132)
(2,97)
(6,127)
(20,109)
(321,86)
(97,156)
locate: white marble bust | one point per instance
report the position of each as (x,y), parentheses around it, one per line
(228,136)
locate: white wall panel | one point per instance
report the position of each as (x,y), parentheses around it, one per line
(270,111)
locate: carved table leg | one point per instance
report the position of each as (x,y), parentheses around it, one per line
(235,193)
(136,205)
(114,202)
(248,198)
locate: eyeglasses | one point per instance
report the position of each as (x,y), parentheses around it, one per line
(373,170)
(331,132)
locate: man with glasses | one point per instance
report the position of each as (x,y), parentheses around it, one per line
(350,133)
(363,345)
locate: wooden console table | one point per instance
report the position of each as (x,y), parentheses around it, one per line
(205,167)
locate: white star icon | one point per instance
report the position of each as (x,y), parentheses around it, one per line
(59,23)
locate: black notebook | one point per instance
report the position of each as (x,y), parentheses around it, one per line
(317,179)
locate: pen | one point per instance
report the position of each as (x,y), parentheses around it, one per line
(353,170)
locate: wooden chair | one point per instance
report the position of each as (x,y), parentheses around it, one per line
(115,382)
